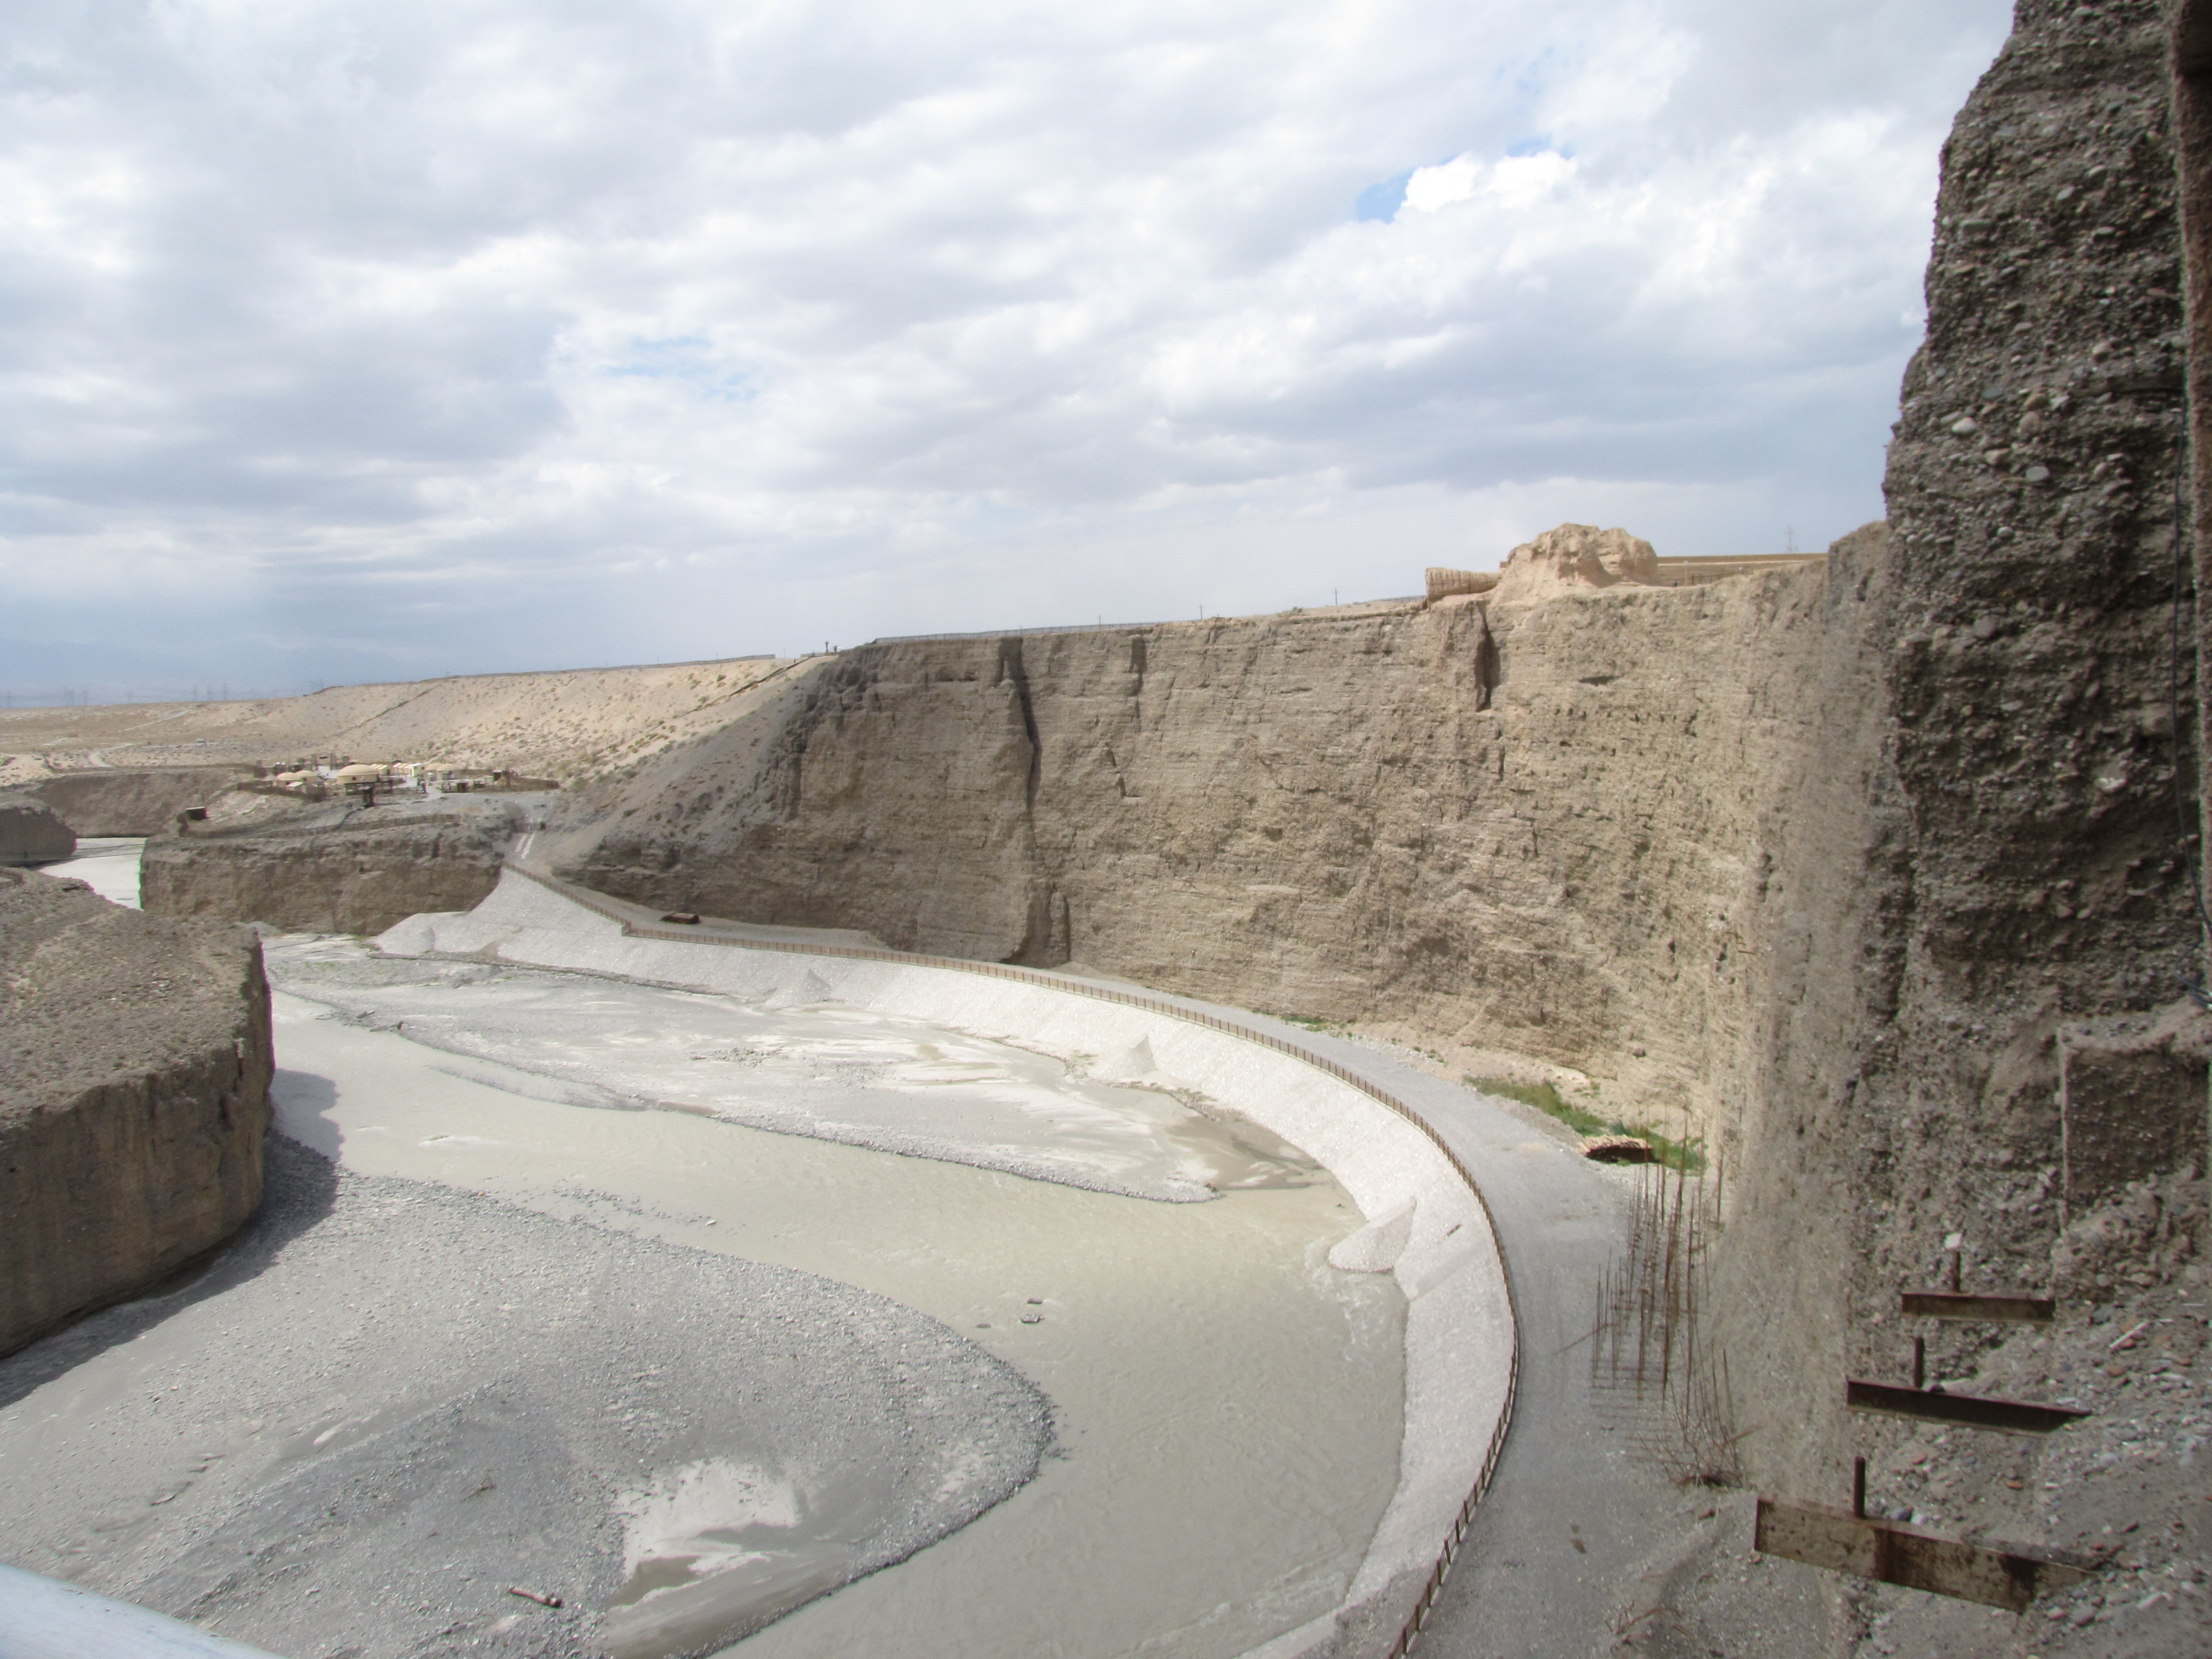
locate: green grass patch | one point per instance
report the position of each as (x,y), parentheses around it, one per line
(1687,1156)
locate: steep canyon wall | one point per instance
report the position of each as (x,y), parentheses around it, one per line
(1989,914)
(1550,827)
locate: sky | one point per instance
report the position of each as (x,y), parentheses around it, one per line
(343,341)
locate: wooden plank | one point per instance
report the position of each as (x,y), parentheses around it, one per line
(1930,1405)
(1958,1304)
(1995,1575)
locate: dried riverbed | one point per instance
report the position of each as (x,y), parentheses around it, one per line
(555,1243)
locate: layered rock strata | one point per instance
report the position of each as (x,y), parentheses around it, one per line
(30,833)
(346,871)
(1987,891)
(133,1096)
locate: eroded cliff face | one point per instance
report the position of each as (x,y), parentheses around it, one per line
(341,870)
(119,801)
(133,1101)
(1876,871)
(1981,931)
(31,832)
(1550,827)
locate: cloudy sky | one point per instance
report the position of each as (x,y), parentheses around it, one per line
(343,340)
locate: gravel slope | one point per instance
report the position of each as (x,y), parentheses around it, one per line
(439,1397)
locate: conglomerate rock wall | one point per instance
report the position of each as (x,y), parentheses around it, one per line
(1991,908)
(1550,828)
(133,1096)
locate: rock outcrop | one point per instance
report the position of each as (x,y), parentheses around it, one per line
(30,832)
(1984,897)
(133,1096)
(131,800)
(347,870)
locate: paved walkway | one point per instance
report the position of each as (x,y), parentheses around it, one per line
(1522,1588)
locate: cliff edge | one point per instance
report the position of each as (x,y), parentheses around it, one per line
(1546,828)
(343,869)
(133,1100)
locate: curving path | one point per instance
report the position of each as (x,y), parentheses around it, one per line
(1521,1588)
(1547,1564)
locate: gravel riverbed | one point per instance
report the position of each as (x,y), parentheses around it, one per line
(391,1402)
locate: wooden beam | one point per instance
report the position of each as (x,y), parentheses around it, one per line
(1932,1405)
(1995,1575)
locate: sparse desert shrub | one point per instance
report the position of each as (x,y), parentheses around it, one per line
(1684,1153)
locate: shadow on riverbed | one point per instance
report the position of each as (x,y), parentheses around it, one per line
(299,1187)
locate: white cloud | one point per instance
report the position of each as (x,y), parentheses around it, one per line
(485,333)
(1516,183)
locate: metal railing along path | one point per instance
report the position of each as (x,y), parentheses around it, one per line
(684,934)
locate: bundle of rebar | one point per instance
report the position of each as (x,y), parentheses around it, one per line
(1648,1347)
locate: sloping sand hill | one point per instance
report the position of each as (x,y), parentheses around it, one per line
(562,723)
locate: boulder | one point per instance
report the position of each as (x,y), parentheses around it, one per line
(30,832)
(135,1062)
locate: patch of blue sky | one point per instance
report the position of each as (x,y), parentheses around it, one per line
(688,358)
(1382,201)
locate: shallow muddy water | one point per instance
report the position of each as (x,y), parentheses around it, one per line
(836,1073)
(1227,1406)
(106,864)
